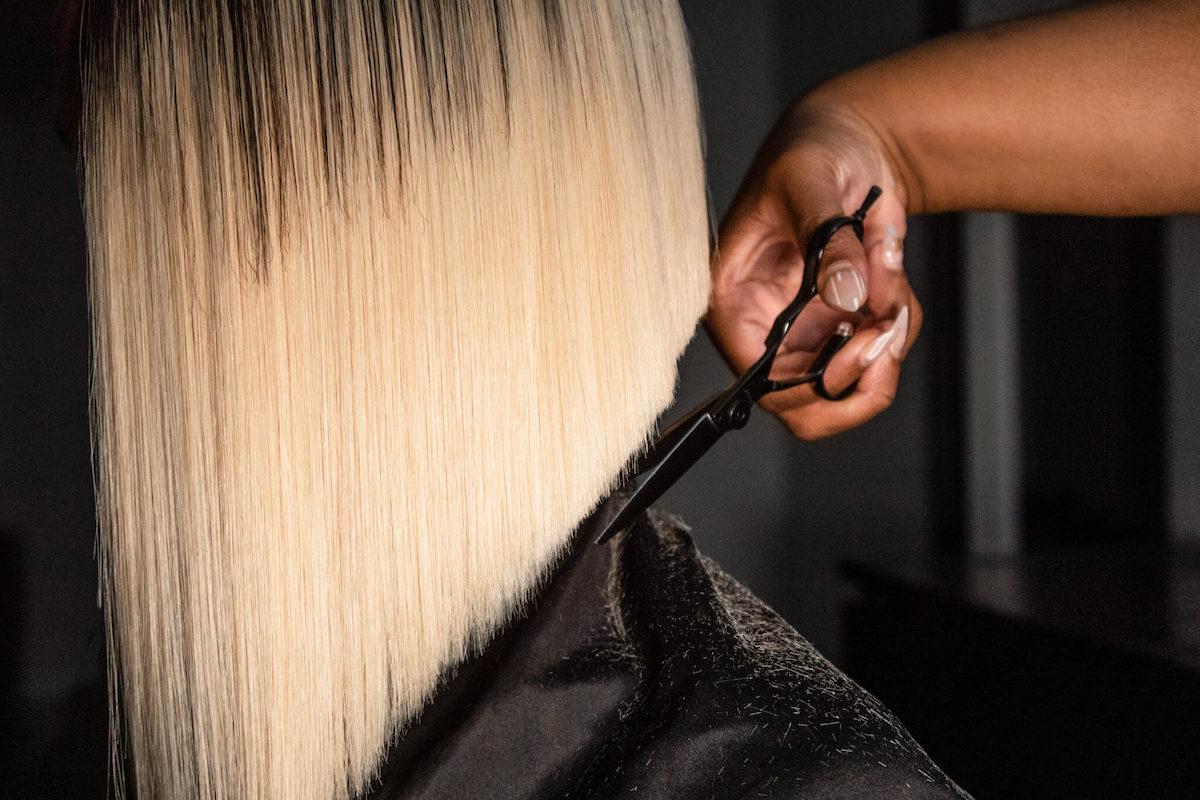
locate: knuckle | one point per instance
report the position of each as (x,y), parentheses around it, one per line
(844,244)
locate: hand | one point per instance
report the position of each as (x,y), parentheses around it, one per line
(818,163)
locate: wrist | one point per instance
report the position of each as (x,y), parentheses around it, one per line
(860,111)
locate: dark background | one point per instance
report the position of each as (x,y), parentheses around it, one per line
(1061,663)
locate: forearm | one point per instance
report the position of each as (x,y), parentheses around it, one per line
(1093,110)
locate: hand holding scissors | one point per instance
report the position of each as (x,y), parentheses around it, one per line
(817,164)
(684,442)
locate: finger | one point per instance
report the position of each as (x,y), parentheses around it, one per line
(814,326)
(916,320)
(887,339)
(753,266)
(884,229)
(889,290)
(884,240)
(842,279)
(866,346)
(876,391)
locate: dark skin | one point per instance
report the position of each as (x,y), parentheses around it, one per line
(1094,110)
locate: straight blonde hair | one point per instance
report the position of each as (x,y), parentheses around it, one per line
(384,295)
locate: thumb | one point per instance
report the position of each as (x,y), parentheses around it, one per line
(842,273)
(843,283)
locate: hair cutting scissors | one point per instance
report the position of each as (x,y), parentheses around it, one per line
(683,443)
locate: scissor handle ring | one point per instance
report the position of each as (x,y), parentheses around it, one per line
(819,388)
(831,349)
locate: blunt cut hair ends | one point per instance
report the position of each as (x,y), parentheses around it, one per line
(384,295)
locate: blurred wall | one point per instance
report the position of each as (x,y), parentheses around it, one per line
(50,630)
(1183,378)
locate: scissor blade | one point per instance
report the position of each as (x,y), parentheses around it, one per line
(675,458)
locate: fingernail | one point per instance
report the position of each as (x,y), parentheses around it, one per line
(872,353)
(892,255)
(892,340)
(900,329)
(844,288)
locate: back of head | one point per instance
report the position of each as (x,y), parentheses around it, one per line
(384,296)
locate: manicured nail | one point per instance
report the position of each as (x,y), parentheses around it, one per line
(872,353)
(900,328)
(892,254)
(891,340)
(844,288)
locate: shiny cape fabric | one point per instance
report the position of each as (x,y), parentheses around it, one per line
(641,670)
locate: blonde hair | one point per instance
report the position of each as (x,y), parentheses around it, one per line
(384,295)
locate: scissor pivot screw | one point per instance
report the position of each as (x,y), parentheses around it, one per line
(739,413)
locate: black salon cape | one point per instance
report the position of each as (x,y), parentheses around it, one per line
(642,670)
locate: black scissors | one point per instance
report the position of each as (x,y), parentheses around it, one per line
(683,443)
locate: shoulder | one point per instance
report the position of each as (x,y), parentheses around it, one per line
(742,705)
